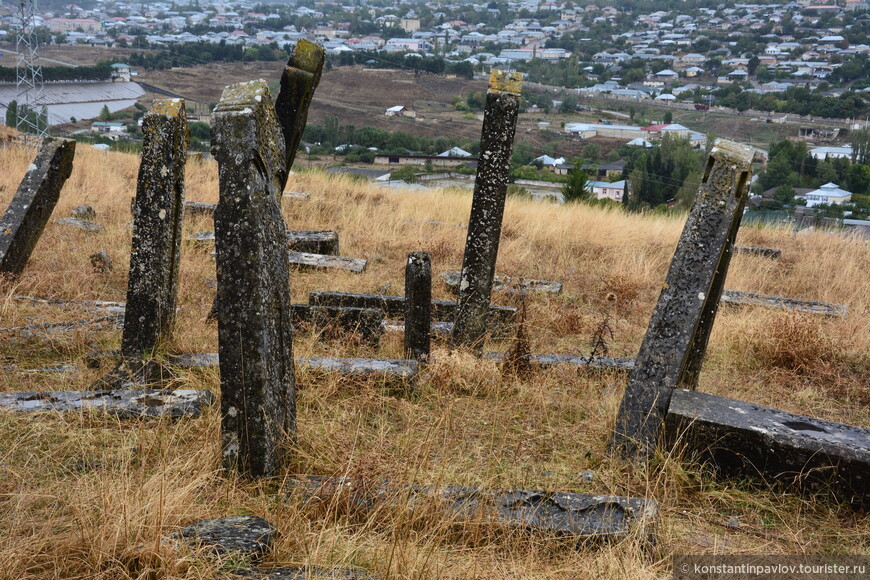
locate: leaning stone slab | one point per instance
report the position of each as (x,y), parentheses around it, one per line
(304,259)
(309,241)
(123,403)
(545,361)
(763,252)
(505,284)
(258,401)
(158,212)
(31,206)
(298,83)
(811,306)
(365,367)
(583,516)
(394,306)
(247,536)
(83,225)
(743,439)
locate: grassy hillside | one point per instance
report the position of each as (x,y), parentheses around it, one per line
(84,496)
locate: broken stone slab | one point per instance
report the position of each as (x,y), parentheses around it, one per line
(83,225)
(132,403)
(365,367)
(297,195)
(323,242)
(248,536)
(394,306)
(367,322)
(304,259)
(255,338)
(31,206)
(811,306)
(111,321)
(505,284)
(675,342)
(55,370)
(763,252)
(84,212)
(306,573)
(487,208)
(94,305)
(744,439)
(550,360)
(101,262)
(158,212)
(199,208)
(583,516)
(437,328)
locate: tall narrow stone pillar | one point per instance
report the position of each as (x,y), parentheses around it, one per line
(418,305)
(158,212)
(27,214)
(487,208)
(298,83)
(677,335)
(258,401)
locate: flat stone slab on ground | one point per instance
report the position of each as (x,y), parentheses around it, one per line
(744,439)
(199,208)
(438,328)
(551,360)
(401,368)
(297,195)
(83,225)
(356,265)
(394,306)
(94,305)
(307,573)
(763,252)
(324,242)
(586,516)
(752,298)
(131,403)
(505,283)
(110,321)
(244,535)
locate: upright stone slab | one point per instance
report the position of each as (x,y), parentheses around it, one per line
(684,315)
(258,401)
(298,83)
(487,208)
(418,305)
(24,220)
(158,213)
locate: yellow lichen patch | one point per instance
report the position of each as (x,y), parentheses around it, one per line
(506,82)
(307,56)
(732,152)
(168,107)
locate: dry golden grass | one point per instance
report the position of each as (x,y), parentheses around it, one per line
(84,496)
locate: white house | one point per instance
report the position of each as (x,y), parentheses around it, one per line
(831,152)
(604,190)
(828,193)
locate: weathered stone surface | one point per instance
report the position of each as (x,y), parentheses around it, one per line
(418,305)
(84,225)
(437,328)
(297,195)
(31,206)
(307,573)
(111,321)
(550,360)
(124,403)
(84,212)
(585,516)
(298,83)
(487,209)
(158,213)
(238,535)
(763,252)
(367,322)
(134,372)
(94,305)
(811,306)
(101,262)
(309,241)
(304,259)
(505,284)
(258,400)
(746,440)
(679,329)
(199,208)
(394,306)
(399,368)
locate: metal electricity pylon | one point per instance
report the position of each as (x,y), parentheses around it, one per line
(30,95)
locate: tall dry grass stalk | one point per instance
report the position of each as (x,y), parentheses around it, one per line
(88,497)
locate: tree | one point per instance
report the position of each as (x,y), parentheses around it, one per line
(12,114)
(569,104)
(861,147)
(105,115)
(669,118)
(576,189)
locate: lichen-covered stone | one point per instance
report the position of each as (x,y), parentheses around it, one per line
(487,209)
(101,262)
(811,306)
(755,251)
(360,367)
(84,225)
(158,211)
(308,260)
(673,347)
(31,206)
(132,403)
(258,400)
(550,360)
(418,305)
(84,212)
(249,536)
(298,83)
(452,279)
(324,242)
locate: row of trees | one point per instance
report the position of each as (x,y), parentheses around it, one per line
(99,72)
